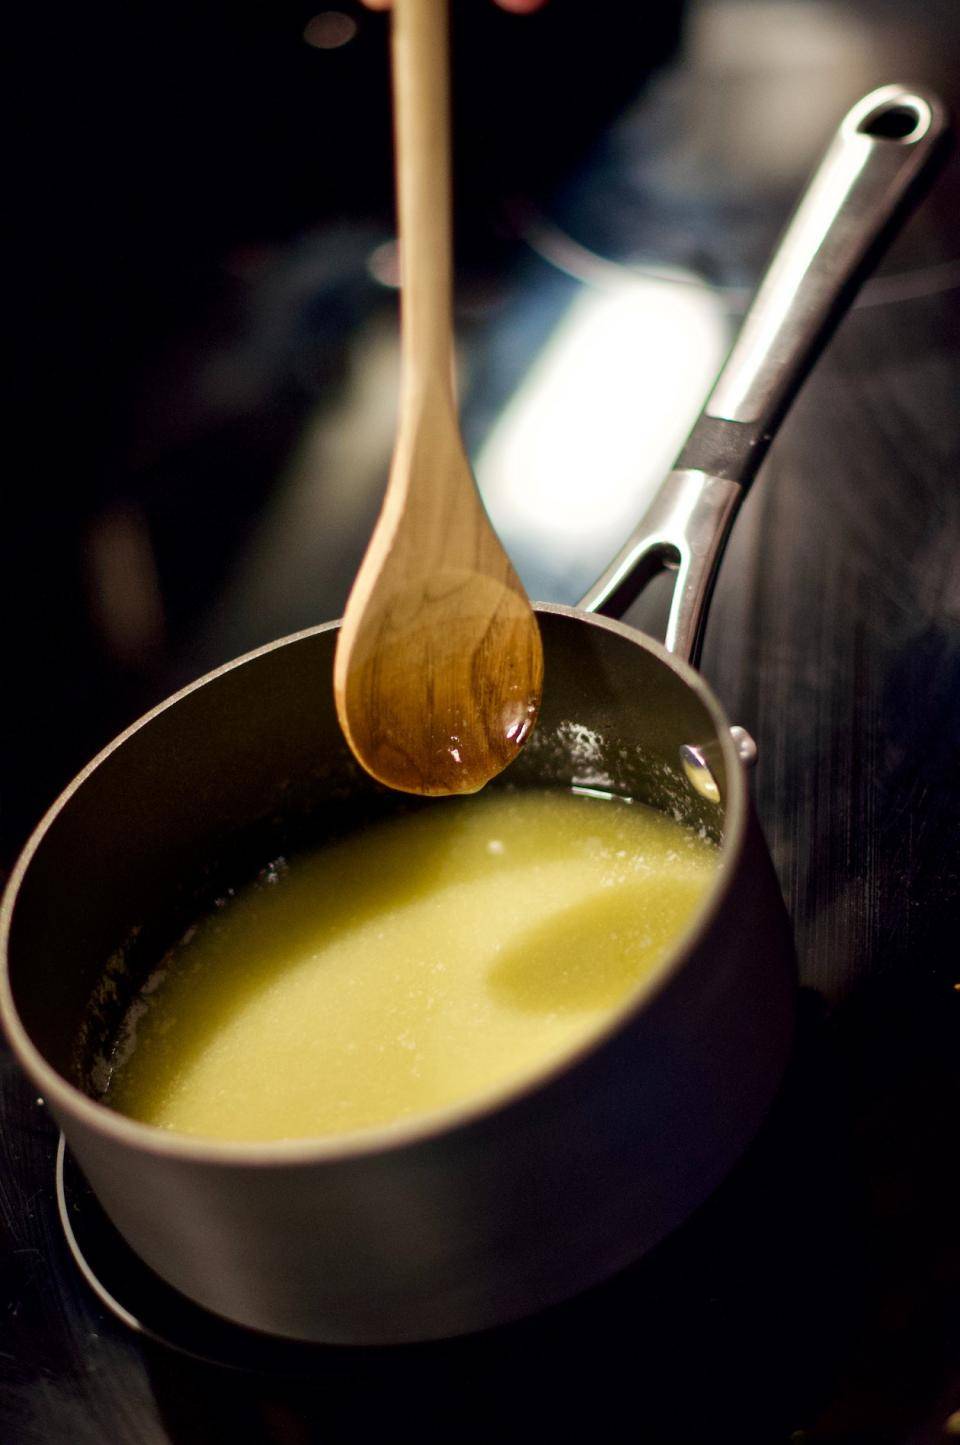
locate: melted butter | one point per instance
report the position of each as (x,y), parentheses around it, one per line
(431,959)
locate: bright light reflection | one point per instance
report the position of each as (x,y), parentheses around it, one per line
(597,424)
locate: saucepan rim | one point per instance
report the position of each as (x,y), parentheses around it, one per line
(421,1128)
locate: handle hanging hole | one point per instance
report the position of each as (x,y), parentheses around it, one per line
(896,122)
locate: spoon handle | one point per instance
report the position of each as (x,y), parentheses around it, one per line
(422,143)
(888,144)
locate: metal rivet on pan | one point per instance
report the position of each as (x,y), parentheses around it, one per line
(698,773)
(745,746)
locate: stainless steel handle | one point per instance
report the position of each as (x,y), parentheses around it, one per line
(861,192)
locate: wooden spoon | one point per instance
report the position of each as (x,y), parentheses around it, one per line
(439,666)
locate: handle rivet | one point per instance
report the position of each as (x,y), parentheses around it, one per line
(745,746)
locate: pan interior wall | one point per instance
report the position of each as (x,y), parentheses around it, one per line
(251,764)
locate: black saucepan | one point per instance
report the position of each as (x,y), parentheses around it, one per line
(462,1220)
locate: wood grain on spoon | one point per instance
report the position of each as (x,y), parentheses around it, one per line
(439,666)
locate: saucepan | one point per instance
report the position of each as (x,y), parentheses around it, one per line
(453,1223)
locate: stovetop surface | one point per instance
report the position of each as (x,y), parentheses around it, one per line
(208,370)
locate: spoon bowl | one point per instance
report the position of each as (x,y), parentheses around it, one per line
(439,665)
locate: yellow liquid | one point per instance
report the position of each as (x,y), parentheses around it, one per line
(431,959)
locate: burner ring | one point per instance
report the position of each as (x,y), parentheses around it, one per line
(139,1299)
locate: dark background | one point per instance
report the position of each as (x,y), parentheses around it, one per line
(201,327)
